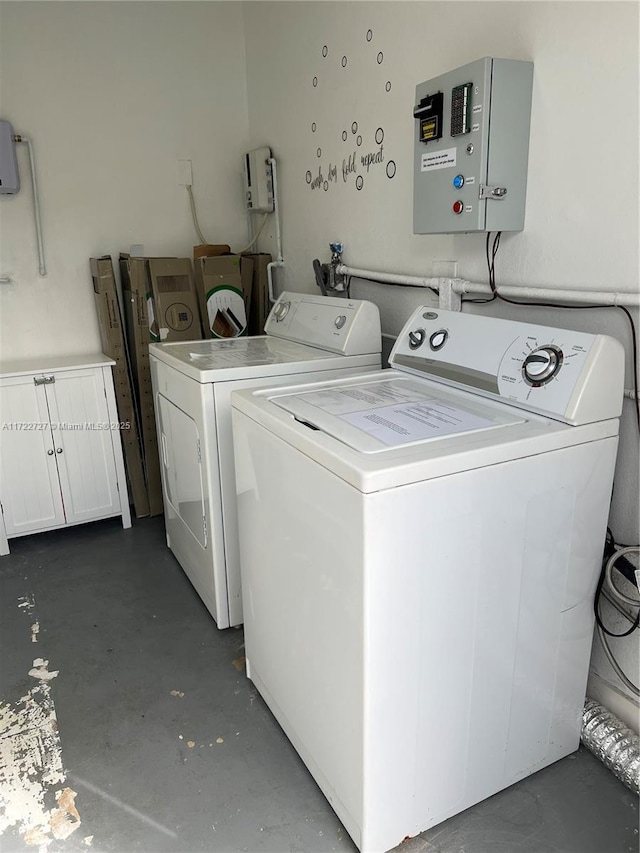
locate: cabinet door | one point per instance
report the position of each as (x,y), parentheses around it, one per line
(83,442)
(29,485)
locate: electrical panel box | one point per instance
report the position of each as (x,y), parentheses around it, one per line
(472,148)
(9,177)
(258,180)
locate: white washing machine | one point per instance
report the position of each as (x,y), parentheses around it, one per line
(318,337)
(420,548)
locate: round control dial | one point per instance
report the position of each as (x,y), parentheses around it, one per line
(438,339)
(340,321)
(416,338)
(281,310)
(542,364)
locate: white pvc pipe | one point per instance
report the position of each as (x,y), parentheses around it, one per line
(36,204)
(388,277)
(279,262)
(462,286)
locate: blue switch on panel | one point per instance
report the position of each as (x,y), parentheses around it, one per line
(458,181)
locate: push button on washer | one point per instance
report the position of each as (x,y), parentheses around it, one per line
(438,339)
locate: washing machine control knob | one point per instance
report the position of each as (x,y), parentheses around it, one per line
(340,321)
(281,310)
(416,338)
(542,364)
(438,339)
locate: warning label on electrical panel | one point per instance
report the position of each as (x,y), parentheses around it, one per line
(438,160)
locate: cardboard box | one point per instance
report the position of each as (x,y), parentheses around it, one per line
(259,305)
(138,305)
(173,311)
(113,345)
(210,250)
(224,287)
(206,250)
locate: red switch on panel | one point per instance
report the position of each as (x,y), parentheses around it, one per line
(458,207)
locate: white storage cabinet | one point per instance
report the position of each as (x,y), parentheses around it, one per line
(61,457)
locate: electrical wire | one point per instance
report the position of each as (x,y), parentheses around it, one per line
(495,294)
(194,216)
(625,599)
(614,663)
(260,230)
(611,553)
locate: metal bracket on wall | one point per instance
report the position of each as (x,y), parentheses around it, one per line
(448,299)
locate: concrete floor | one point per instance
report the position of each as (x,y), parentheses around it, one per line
(120,622)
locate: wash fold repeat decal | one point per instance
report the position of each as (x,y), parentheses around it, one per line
(357,149)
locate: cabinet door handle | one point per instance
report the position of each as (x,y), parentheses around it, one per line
(44,380)
(49,452)
(58,450)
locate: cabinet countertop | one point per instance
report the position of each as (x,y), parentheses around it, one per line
(44,364)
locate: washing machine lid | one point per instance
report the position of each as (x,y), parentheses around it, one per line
(392,411)
(383,430)
(241,358)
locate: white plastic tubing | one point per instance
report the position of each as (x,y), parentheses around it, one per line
(462,286)
(36,203)
(279,262)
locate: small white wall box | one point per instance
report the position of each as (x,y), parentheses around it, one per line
(9,177)
(258,180)
(472,148)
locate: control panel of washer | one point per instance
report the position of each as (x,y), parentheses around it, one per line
(575,377)
(345,326)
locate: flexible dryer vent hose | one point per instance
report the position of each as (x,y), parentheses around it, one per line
(613,743)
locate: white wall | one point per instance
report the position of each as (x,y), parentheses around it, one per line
(112,94)
(581,226)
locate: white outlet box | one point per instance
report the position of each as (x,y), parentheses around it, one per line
(185,175)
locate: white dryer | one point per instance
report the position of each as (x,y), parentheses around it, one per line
(420,548)
(318,337)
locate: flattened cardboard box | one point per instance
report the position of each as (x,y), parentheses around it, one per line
(137,296)
(259,301)
(174,305)
(113,345)
(224,294)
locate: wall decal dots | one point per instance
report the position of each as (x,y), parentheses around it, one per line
(359,154)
